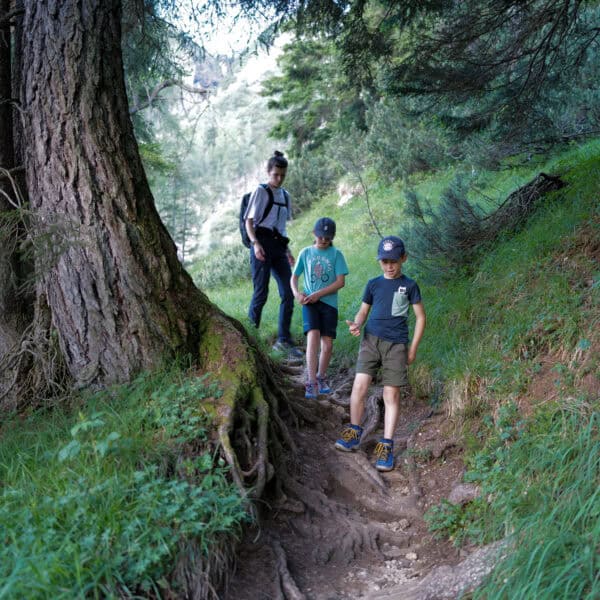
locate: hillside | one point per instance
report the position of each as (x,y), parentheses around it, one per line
(507,379)
(153,444)
(127,487)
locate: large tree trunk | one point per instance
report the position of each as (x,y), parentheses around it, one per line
(119,298)
(110,286)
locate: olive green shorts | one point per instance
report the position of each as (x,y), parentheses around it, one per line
(375,353)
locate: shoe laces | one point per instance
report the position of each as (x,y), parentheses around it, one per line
(382,451)
(349,433)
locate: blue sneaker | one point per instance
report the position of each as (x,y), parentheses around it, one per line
(349,438)
(310,391)
(385,455)
(323,386)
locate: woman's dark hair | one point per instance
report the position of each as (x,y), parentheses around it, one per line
(277,160)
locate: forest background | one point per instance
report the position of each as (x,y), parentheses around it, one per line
(425,117)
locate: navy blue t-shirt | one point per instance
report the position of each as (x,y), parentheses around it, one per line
(389,300)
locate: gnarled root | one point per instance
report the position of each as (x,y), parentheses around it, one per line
(252,434)
(352,535)
(286,581)
(373,413)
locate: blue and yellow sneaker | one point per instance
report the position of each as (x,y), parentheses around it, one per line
(349,438)
(323,386)
(385,455)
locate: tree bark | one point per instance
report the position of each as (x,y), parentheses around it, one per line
(119,298)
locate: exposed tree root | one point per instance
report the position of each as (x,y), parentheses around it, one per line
(252,433)
(369,490)
(199,575)
(353,536)
(286,581)
(35,371)
(361,472)
(372,416)
(341,395)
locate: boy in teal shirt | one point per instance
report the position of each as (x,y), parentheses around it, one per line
(324,269)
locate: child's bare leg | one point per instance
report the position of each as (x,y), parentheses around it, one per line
(312,348)
(360,388)
(325,357)
(391,399)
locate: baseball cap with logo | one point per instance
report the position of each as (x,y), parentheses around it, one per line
(390,248)
(325,228)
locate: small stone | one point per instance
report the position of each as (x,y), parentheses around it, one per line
(411,556)
(463,493)
(403,524)
(392,552)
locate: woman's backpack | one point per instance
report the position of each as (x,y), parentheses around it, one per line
(244,208)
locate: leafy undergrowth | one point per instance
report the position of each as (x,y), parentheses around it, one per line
(109,499)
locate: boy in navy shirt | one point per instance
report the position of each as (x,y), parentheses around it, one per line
(385,346)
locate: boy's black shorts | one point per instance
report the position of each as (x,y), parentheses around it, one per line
(320,316)
(375,353)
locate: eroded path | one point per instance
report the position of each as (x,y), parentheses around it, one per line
(343,530)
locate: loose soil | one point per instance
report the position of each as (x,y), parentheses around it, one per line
(341,529)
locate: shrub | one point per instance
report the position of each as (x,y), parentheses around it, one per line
(221,267)
(309,178)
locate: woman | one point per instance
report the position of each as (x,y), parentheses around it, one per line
(269,209)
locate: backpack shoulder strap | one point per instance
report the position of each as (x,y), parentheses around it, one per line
(286,195)
(265,214)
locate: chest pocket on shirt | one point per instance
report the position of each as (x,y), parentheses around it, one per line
(400,303)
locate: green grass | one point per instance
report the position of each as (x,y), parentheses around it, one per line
(472,322)
(102,501)
(547,501)
(540,492)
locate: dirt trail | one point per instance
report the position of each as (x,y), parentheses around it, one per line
(344,530)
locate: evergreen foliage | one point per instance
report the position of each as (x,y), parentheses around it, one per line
(401,146)
(522,75)
(456,232)
(312,98)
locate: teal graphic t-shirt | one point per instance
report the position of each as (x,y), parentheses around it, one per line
(320,269)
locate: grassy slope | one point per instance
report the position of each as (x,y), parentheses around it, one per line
(458,313)
(531,309)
